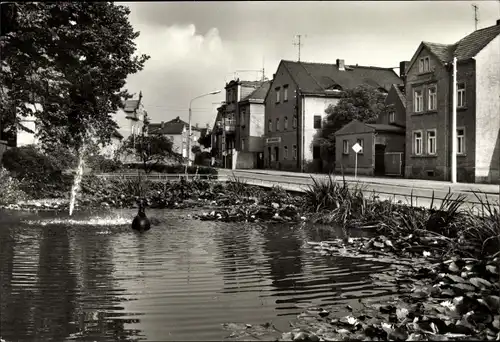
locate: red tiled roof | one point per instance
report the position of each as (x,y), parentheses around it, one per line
(318,78)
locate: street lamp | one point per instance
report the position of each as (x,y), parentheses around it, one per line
(189,129)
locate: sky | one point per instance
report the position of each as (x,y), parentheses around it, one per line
(196,47)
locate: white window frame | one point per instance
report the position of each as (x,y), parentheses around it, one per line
(432,98)
(270,125)
(285,93)
(345,146)
(461,95)
(392,117)
(414,142)
(294,151)
(278,94)
(429,138)
(277,124)
(461,137)
(285,123)
(418,101)
(285,152)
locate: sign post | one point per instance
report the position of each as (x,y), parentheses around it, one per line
(356,148)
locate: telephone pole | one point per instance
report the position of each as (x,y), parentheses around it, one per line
(299,44)
(476,20)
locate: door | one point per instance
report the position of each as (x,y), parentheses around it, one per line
(260,160)
(379,160)
(269,157)
(277,155)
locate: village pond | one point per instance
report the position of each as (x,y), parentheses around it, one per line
(90,276)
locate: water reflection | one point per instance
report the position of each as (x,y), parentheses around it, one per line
(179,281)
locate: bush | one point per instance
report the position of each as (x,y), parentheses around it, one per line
(39,175)
(101,164)
(176,168)
(10,189)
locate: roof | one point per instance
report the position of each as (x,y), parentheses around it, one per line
(466,48)
(386,128)
(172,128)
(247,84)
(357,127)
(131,105)
(400,90)
(117,134)
(258,94)
(322,78)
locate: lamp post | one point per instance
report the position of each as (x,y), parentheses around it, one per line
(189,128)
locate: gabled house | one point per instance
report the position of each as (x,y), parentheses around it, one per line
(251,112)
(227,128)
(382,142)
(177,131)
(429,108)
(296,102)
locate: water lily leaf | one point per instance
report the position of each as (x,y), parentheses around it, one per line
(456,278)
(453,267)
(496,322)
(493,302)
(480,282)
(402,313)
(464,287)
(378,244)
(492,269)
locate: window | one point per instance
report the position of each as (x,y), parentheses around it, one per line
(317,121)
(392,117)
(431,141)
(345,147)
(271,154)
(461,95)
(294,151)
(418,101)
(285,93)
(417,143)
(243,145)
(285,152)
(270,126)
(285,123)
(460,141)
(277,95)
(432,105)
(242,118)
(361,143)
(316,152)
(277,125)
(294,123)
(424,65)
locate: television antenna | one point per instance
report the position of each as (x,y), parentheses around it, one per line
(299,42)
(476,19)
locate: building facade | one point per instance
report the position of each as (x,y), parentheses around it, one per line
(429,109)
(382,142)
(295,108)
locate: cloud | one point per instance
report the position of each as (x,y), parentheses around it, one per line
(183,64)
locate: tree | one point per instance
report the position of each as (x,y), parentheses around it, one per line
(205,140)
(152,150)
(362,103)
(196,149)
(66,63)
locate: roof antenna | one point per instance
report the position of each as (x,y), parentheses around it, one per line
(476,19)
(299,44)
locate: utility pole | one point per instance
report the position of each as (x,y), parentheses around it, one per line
(476,20)
(299,44)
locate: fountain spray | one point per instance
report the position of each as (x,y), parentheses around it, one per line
(77,181)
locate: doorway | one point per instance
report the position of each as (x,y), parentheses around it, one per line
(379,160)
(277,154)
(260,160)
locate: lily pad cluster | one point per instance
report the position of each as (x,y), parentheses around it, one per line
(255,213)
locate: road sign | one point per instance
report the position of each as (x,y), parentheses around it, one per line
(357,147)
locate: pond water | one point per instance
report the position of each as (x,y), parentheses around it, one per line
(92,277)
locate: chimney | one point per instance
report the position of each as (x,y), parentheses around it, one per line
(196,125)
(498,22)
(340,64)
(403,68)
(162,124)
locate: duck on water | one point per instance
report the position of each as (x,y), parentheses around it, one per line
(141,222)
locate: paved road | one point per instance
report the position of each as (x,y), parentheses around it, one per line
(398,189)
